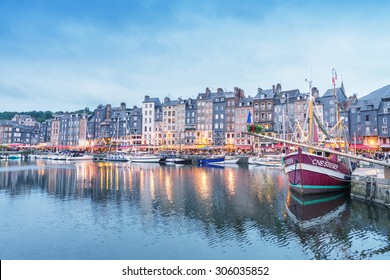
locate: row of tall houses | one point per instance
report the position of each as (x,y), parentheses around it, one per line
(22,129)
(212,119)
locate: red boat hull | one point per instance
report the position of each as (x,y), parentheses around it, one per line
(312,174)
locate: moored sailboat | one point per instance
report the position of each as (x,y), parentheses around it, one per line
(313,172)
(315,169)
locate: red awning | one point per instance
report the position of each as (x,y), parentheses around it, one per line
(363,147)
(244,147)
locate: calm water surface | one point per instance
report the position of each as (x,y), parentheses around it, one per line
(88,210)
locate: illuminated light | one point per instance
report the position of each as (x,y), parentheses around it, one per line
(169,187)
(230,182)
(202,185)
(116,178)
(152,185)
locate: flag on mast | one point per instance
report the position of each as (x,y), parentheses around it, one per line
(334,76)
(249,121)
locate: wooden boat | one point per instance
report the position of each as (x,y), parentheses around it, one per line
(309,173)
(317,170)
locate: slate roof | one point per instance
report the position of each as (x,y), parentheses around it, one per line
(383,92)
(267,92)
(340,94)
(171,103)
(364,104)
(154,100)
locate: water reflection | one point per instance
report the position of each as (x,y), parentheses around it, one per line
(312,210)
(237,213)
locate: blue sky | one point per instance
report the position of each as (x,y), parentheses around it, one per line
(71,54)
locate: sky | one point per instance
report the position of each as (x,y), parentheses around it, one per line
(66,55)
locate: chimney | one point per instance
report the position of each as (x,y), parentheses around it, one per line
(108,111)
(278,88)
(147,97)
(273,89)
(208,92)
(259,90)
(123,106)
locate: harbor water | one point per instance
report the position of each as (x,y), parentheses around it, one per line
(102,210)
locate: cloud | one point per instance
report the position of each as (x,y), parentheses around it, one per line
(61,60)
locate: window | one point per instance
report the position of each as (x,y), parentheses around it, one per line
(385,130)
(384,120)
(367,117)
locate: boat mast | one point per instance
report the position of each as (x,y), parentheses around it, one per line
(336,104)
(311,118)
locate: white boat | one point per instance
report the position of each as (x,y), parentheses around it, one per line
(61,157)
(77,156)
(116,157)
(268,160)
(231,160)
(253,160)
(226,160)
(145,158)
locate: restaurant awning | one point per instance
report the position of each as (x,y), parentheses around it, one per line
(244,147)
(363,147)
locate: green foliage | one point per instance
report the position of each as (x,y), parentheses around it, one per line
(82,111)
(256,128)
(39,116)
(7,115)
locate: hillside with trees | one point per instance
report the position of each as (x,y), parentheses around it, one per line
(39,116)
